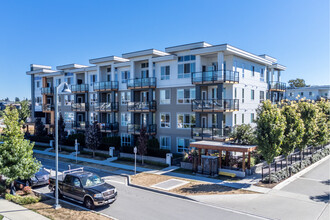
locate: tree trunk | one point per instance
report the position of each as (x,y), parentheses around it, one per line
(287,161)
(301,153)
(269,172)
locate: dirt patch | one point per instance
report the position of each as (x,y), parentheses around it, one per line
(191,188)
(67,211)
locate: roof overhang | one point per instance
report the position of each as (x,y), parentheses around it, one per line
(149,52)
(107,59)
(40,71)
(70,66)
(278,66)
(222,146)
(164,58)
(184,47)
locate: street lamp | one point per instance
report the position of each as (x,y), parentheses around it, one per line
(65,89)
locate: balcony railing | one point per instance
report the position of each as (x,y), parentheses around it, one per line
(141,83)
(79,107)
(136,129)
(79,125)
(81,88)
(47,107)
(276,86)
(215,105)
(106,86)
(215,134)
(47,90)
(109,127)
(216,76)
(142,106)
(105,107)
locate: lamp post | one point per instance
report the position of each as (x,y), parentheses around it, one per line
(65,89)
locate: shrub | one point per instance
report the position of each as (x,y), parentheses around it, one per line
(105,156)
(153,143)
(22,200)
(244,134)
(42,139)
(27,190)
(72,137)
(110,142)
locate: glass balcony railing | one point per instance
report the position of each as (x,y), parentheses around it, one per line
(277,86)
(79,125)
(79,107)
(141,83)
(105,107)
(47,90)
(106,86)
(109,127)
(210,133)
(215,105)
(47,107)
(142,106)
(81,88)
(215,76)
(136,129)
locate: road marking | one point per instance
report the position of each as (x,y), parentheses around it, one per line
(306,178)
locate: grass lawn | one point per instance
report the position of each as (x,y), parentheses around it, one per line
(138,164)
(190,172)
(1,217)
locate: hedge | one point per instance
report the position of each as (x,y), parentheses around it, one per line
(150,151)
(22,200)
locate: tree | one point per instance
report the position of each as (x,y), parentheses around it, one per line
(294,130)
(323,122)
(93,137)
(296,83)
(39,128)
(17,99)
(243,134)
(270,131)
(7,99)
(61,130)
(24,111)
(16,154)
(142,142)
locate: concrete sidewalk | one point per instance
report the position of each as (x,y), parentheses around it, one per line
(13,211)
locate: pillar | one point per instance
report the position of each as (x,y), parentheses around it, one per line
(112,77)
(199,156)
(219,120)
(33,101)
(220,61)
(249,161)
(198,63)
(132,70)
(220,158)
(243,162)
(272,75)
(279,76)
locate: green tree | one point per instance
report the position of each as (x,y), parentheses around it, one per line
(270,131)
(61,130)
(296,83)
(323,131)
(244,134)
(39,128)
(294,130)
(93,137)
(17,99)
(16,154)
(24,112)
(142,142)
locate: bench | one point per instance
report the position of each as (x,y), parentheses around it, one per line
(227,174)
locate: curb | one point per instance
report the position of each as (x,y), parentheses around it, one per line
(299,174)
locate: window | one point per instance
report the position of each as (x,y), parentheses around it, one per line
(125,97)
(68,117)
(310,94)
(235,93)
(242,118)
(165,96)
(125,140)
(165,142)
(214,120)
(144,65)
(93,79)
(165,120)
(262,75)
(185,120)
(68,80)
(38,84)
(252,94)
(243,69)
(235,119)
(184,96)
(183,144)
(108,77)
(94,99)
(68,99)
(302,93)
(262,96)
(184,70)
(290,94)
(165,72)
(252,117)
(108,69)
(125,118)
(252,70)
(214,93)
(186,58)
(125,75)
(58,82)
(242,95)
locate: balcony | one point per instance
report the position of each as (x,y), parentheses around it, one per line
(109,127)
(105,107)
(213,134)
(214,105)
(47,90)
(142,83)
(81,88)
(79,107)
(277,86)
(47,107)
(142,106)
(106,86)
(213,77)
(80,125)
(136,129)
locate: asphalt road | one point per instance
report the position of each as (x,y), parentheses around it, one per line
(135,203)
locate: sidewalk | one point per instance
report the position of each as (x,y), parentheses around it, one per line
(13,211)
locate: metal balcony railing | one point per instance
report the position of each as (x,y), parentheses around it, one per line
(277,86)
(136,129)
(215,105)
(81,88)
(79,124)
(109,127)
(47,107)
(106,86)
(141,83)
(47,90)
(142,106)
(105,107)
(215,76)
(79,107)
(198,133)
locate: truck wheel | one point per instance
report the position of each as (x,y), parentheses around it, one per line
(60,196)
(88,203)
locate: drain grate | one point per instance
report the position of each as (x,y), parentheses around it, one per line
(170,184)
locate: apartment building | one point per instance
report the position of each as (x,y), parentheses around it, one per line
(188,92)
(310,92)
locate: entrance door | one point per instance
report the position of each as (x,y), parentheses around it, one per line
(144,119)
(144,96)
(108,97)
(79,100)
(204,95)
(203,122)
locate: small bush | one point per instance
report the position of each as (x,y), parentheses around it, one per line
(27,190)
(42,139)
(110,142)
(105,156)
(244,134)
(22,200)
(70,141)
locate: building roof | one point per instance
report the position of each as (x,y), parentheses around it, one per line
(310,87)
(70,66)
(148,52)
(214,145)
(184,47)
(107,59)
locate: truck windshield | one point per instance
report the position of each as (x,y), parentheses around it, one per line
(92,180)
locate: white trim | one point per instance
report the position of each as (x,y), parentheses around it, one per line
(160,119)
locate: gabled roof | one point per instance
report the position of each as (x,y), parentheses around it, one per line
(149,52)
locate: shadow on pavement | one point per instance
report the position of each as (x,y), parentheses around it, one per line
(321,198)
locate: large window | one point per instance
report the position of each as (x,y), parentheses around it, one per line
(125,75)
(183,144)
(125,139)
(68,117)
(262,96)
(165,142)
(125,97)
(242,95)
(165,96)
(125,119)
(262,75)
(252,117)
(165,72)
(93,79)
(165,120)
(68,99)
(252,94)
(185,70)
(185,120)
(184,96)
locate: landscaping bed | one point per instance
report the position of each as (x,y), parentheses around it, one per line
(147,163)
(191,188)
(190,172)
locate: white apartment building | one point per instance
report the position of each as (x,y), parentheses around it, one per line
(189,92)
(310,92)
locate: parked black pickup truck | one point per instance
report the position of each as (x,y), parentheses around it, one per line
(85,187)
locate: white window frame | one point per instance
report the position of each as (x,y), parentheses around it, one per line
(167,124)
(184,148)
(164,101)
(168,141)
(125,101)
(124,139)
(125,115)
(185,125)
(186,100)
(165,72)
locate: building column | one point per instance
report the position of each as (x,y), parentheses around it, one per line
(198,63)
(272,75)
(33,101)
(219,91)
(132,70)
(112,77)
(220,61)
(243,162)
(151,67)
(279,76)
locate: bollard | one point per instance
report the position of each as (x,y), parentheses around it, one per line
(291,159)
(275,167)
(281,164)
(262,173)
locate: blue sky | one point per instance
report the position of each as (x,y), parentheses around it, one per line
(296,32)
